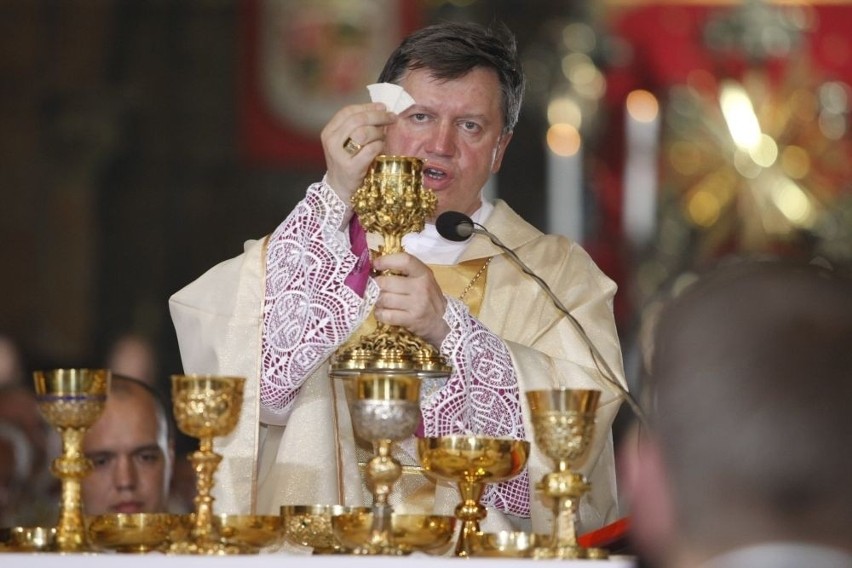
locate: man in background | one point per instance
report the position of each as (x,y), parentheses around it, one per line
(132,449)
(747,460)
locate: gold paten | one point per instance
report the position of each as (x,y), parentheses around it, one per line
(564,423)
(71,400)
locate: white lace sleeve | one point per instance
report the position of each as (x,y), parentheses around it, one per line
(308,309)
(481,397)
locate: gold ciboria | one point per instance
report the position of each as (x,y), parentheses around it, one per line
(391,202)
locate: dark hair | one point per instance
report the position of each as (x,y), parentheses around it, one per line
(452,49)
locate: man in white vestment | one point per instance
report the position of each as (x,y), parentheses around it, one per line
(278,312)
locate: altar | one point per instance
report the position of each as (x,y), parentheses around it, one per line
(108,560)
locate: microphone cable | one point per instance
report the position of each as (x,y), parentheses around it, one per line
(456,226)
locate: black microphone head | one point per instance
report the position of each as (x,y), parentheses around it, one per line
(454,226)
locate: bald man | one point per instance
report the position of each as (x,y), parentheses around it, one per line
(747,462)
(132,449)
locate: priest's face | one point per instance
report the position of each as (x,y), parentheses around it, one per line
(456,126)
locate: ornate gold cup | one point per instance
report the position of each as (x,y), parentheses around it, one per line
(424,533)
(310,525)
(205,407)
(472,462)
(385,408)
(136,532)
(564,423)
(71,400)
(392,202)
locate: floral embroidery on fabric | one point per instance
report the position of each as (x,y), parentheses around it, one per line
(308,310)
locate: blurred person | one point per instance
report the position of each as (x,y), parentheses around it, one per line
(16,456)
(132,355)
(40,491)
(131,446)
(278,313)
(746,462)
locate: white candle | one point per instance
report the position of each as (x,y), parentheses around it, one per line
(565,181)
(639,208)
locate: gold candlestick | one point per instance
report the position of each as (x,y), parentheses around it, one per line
(205,407)
(71,400)
(564,423)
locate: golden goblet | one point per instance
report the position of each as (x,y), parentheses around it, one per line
(472,462)
(385,408)
(564,423)
(423,533)
(248,533)
(71,400)
(205,407)
(136,532)
(310,525)
(392,202)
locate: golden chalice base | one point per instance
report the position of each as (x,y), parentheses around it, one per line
(310,525)
(507,544)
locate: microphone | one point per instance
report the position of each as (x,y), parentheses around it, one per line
(456,226)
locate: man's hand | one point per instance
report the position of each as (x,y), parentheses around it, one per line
(351,141)
(410,297)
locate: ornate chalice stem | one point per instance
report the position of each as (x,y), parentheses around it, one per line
(205,462)
(71,467)
(470,511)
(383,471)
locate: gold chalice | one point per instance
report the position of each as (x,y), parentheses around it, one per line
(409,532)
(392,202)
(71,400)
(564,423)
(248,533)
(310,525)
(136,532)
(385,408)
(205,406)
(472,462)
